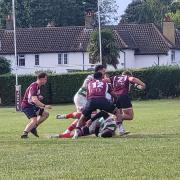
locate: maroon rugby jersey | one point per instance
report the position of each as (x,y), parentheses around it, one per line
(120,84)
(96,89)
(32,90)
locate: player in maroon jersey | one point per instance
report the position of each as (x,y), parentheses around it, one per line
(96,99)
(120,87)
(33,107)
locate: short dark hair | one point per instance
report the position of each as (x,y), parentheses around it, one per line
(128,73)
(99,67)
(41,75)
(98,75)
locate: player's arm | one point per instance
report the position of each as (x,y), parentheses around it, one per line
(140,84)
(36,101)
(110,88)
(86,81)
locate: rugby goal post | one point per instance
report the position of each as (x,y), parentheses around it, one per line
(18,97)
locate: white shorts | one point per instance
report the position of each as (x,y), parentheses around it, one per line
(80,102)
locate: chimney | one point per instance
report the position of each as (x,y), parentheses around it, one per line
(9,22)
(169,29)
(90,20)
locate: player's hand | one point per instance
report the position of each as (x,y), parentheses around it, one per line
(139,87)
(48,107)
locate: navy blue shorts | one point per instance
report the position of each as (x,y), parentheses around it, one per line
(123,102)
(32,111)
(97,103)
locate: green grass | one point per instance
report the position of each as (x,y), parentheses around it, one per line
(151,151)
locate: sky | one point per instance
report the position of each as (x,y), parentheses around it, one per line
(122,5)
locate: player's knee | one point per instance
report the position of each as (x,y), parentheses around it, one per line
(34,121)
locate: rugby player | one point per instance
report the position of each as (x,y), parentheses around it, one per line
(32,106)
(120,87)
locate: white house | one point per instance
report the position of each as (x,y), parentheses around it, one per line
(62,49)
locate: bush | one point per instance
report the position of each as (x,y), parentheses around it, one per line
(161,82)
(5,66)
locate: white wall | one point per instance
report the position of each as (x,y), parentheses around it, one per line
(49,61)
(141,61)
(150,60)
(126,59)
(130,59)
(177,56)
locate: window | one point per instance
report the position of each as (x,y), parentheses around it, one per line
(65,59)
(37,60)
(20,60)
(173,56)
(59,58)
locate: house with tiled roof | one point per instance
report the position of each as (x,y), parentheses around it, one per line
(62,49)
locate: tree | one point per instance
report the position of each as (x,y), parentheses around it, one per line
(110,49)
(5,66)
(147,11)
(37,13)
(176,18)
(131,14)
(22,12)
(108,11)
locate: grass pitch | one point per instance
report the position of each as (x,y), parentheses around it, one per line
(151,151)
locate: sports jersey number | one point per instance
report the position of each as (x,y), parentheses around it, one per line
(122,79)
(97,85)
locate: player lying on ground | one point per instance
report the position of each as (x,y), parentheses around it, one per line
(33,107)
(69,131)
(96,99)
(80,100)
(102,125)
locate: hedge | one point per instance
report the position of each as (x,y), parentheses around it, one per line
(162,82)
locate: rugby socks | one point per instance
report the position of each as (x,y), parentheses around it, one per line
(73,115)
(118,125)
(66,135)
(70,115)
(72,126)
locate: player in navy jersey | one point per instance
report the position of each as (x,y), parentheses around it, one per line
(120,87)
(33,107)
(96,99)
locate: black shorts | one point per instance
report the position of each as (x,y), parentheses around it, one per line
(97,103)
(32,111)
(123,102)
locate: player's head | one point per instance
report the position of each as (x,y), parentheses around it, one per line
(100,68)
(98,75)
(127,73)
(42,78)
